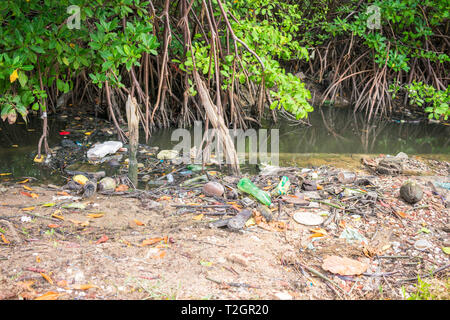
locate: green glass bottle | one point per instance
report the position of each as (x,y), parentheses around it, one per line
(247,186)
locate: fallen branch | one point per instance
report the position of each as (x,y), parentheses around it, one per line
(233,284)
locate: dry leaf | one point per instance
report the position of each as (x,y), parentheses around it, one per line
(26,285)
(83,286)
(198,217)
(319,230)
(344,266)
(80,223)
(62,284)
(27,188)
(24,181)
(401,214)
(51,295)
(62,193)
(46,277)
(316,235)
(250,222)
(161,255)
(5,240)
(51,225)
(121,188)
(148,242)
(164,198)
(28,209)
(13,76)
(139,223)
(95,215)
(54,215)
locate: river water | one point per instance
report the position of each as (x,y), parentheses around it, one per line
(334,136)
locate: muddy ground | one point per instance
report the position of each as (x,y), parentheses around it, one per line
(115,248)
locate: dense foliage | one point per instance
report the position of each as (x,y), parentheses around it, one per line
(241,48)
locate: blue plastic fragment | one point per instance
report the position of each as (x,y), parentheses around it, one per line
(445,185)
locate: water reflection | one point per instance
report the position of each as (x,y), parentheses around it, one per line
(336,130)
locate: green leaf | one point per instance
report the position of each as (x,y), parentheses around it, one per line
(22,78)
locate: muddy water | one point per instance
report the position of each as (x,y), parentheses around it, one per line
(335,137)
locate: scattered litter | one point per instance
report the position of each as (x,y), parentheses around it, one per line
(99,150)
(351,235)
(422,245)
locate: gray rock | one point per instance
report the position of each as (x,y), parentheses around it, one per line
(238,222)
(89,188)
(390,166)
(265,212)
(401,155)
(411,192)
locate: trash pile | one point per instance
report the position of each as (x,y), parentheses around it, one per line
(349,228)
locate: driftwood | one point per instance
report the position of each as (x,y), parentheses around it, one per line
(133,128)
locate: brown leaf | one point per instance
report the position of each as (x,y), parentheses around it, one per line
(121,188)
(95,215)
(148,242)
(5,240)
(83,286)
(344,266)
(26,285)
(51,295)
(62,283)
(46,277)
(139,223)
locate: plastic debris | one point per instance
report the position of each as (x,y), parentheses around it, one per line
(282,187)
(167,154)
(444,185)
(351,235)
(422,245)
(308,218)
(100,150)
(346,177)
(81,179)
(247,186)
